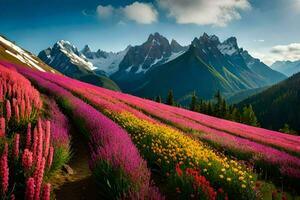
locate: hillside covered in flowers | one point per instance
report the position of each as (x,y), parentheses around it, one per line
(137,148)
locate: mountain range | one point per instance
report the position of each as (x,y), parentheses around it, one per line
(158,65)
(287,67)
(68,60)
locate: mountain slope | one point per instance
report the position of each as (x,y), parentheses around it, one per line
(66,58)
(270,75)
(278,105)
(12,53)
(287,67)
(206,67)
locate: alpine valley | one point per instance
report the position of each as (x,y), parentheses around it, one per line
(153,68)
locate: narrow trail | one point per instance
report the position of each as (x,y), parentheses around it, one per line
(79,185)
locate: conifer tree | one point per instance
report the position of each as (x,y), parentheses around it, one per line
(158,99)
(193,105)
(170,98)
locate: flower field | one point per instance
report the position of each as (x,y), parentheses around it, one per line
(139,149)
(28,144)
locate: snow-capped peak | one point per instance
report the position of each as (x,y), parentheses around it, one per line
(229,46)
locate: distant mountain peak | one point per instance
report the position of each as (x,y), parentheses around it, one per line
(176,47)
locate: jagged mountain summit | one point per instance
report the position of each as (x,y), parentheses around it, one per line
(287,67)
(155,51)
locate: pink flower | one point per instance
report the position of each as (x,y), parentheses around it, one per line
(30,185)
(35,143)
(4,170)
(12,197)
(39,179)
(47,139)
(27,159)
(8,110)
(47,190)
(17,113)
(50,158)
(2,127)
(28,136)
(16,145)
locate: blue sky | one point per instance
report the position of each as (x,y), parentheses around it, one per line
(269,29)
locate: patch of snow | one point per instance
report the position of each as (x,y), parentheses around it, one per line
(21,55)
(110,64)
(175,55)
(227,49)
(75,59)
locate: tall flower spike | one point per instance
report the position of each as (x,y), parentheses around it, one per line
(47,191)
(8,110)
(2,127)
(35,143)
(50,158)
(39,179)
(4,169)
(30,185)
(28,136)
(16,146)
(47,139)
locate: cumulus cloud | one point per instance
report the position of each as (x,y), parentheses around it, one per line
(105,11)
(204,12)
(142,13)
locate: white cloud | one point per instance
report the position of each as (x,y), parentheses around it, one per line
(141,13)
(105,11)
(280,53)
(204,12)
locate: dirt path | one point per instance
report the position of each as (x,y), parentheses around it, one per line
(79,185)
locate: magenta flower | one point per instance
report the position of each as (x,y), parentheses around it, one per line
(39,179)
(27,159)
(30,186)
(47,191)
(28,136)
(47,139)
(4,170)
(2,127)
(50,157)
(16,146)
(8,110)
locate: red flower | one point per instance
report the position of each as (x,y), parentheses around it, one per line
(220,190)
(178,170)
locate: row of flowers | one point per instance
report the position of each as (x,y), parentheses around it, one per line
(189,119)
(115,161)
(27,146)
(165,147)
(266,159)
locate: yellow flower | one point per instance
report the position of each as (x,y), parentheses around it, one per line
(221,176)
(228,179)
(243,186)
